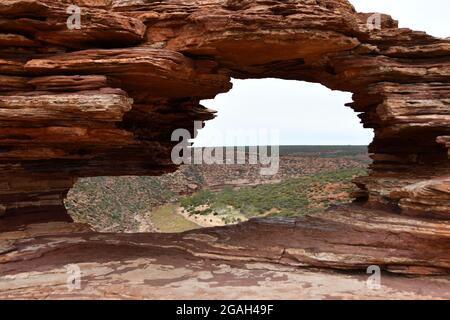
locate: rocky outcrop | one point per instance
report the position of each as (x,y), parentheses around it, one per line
(104,99)
(237,262)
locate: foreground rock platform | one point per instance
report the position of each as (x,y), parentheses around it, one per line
(320,257)
(103,100)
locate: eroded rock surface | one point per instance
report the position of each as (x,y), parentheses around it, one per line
(267,259)
(105,98)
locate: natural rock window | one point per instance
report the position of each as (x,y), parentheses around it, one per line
(103,100)
(317,165)
(303,113)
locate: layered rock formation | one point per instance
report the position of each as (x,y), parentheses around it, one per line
(239,262)
(104,99)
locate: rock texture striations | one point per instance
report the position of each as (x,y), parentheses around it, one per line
(105,98)
(239,262)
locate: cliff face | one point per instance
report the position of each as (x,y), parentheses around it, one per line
(105,98)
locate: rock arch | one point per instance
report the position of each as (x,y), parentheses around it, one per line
(104,99)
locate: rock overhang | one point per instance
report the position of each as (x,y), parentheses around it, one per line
(149,64)
(104,99)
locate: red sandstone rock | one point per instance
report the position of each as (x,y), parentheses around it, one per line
(188,50)
(104,99)
(240,261)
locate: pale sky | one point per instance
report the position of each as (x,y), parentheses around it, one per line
(306,113)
